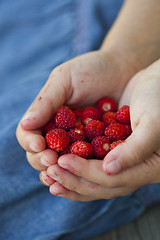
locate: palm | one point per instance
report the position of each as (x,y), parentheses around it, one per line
(93,76)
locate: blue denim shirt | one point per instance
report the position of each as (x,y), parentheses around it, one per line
(36,36)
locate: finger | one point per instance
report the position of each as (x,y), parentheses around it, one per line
(91,170)
(45,179)
(84,187)
(71,181)
(41,161)
(58,190)
(147,172)
(55,92)
(31,141)
(138,146)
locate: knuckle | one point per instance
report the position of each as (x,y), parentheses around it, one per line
(17,131)
(134,156)
(28,155)
(56,71)
(30,158)
(154,164)
(112,184)
(73,187)
(78,171)
(41,178)
(52,74)
(20,140)
(34,161)
(75,197)
(108,196)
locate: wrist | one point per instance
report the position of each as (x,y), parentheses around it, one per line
(135,34)
(137,56)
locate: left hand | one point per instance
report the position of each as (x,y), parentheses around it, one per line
(79,179)
(138,158)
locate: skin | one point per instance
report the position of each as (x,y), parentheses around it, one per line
(85,180)
(77,83)
(81,82)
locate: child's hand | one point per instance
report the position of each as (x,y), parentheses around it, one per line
(143,146)
(138,156)
(79,179)
(79,82)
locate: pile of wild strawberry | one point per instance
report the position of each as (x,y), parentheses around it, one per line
(90,132)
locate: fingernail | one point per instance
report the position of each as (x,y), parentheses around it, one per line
(54,189)
(112,167)
(44,162)
(28,117)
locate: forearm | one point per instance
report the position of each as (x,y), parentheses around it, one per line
(135,34)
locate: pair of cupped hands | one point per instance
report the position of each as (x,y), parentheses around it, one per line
(80,82)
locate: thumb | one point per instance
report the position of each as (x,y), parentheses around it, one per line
(53,95)
(137,147)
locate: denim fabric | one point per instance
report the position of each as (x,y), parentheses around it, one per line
(36,36)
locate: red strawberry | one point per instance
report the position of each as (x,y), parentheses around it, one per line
(115,131)
(108,117)
(65,118)
(57,139)
(78,112)
(82,149)
(115,144)
(123,115)
(106,104)
(90,113)
(76,134)
(65,151)
(94,129)
(101,146)
(128,129)
(49,126)
(79,125)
